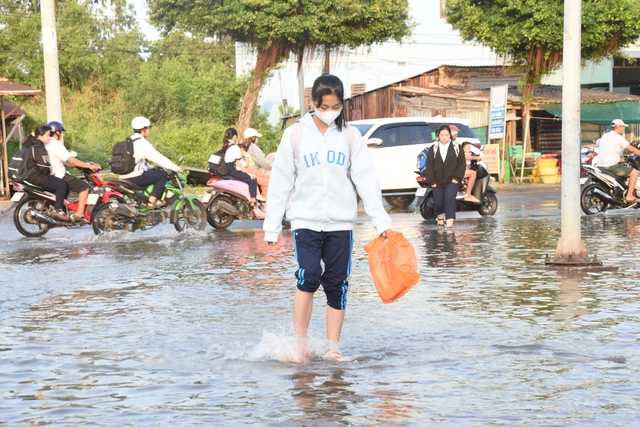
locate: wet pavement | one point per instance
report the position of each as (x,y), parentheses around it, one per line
(158,328)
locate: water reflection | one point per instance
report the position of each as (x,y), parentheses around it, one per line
(327,397)
(570,296)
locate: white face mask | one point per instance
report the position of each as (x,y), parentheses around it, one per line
(328,117)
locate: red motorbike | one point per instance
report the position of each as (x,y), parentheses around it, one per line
(34,204)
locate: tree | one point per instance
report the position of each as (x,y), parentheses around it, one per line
(275,28)
(529,33)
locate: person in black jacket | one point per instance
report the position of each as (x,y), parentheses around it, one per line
(445,170)
(39,170)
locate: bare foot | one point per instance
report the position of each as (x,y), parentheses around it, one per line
(302,354)
(333,354)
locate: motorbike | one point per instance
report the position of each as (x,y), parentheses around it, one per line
(229,200)
(33,205)
(605,190)
(481,190)
(131,214)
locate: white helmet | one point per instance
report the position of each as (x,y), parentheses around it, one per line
(140,123)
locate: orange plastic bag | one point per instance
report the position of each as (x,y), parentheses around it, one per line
(393,265)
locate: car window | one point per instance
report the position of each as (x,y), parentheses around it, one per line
(418,134)
(362,128)
(389,134)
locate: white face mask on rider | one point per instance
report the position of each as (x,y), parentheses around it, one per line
(328,117)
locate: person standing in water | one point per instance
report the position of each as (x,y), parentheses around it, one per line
(315,193)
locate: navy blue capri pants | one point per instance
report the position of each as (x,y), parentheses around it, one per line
(444,200)
(157,177)
(334,249)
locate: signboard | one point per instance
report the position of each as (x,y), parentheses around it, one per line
(498,111)
(491,156)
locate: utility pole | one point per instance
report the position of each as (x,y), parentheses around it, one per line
(301,81)
(571,249)
(50,53)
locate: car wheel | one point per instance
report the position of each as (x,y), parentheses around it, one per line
(400,201)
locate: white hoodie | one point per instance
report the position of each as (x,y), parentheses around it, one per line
(143,151)
(323,197)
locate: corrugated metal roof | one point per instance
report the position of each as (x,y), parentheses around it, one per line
(8,88)
(541,94)
(7,107)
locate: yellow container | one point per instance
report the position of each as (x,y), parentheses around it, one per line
(549,179)
(546,170)
(548,163)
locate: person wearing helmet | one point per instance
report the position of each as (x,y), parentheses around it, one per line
(58,156)
(257,162)
(611,148)
(143,174)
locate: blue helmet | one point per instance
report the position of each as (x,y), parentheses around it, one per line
(606,129)
(56,126)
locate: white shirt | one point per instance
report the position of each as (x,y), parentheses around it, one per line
(232,154)
(443,150)
(58,154)
(143,151)
(611,146)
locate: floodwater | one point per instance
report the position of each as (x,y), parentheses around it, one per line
(158,328)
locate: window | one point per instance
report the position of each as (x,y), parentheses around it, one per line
(363,128)
(418,134)
(390,135)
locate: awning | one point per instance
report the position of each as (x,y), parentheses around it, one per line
(602,113)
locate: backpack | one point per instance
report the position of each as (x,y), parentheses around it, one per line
(122,161)
(217,164)
(18,167)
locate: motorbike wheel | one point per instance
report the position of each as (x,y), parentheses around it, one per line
(216,218)
(190,218)
(489,204)
(103,220)
(590,203)
(426,208)
(24,222)
(399,201)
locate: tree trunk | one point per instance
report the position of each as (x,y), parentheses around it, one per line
(268,58)
(327,61)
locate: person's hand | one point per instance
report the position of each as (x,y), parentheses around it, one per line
(433,186)
(179,170)
(251,175)
(94,167)
(454,181)
(384,235)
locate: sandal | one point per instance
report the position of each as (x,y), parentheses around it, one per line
(440,222)
(158,204)
(78,219)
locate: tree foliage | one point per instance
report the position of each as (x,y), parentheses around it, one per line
(276,28)
(530,33)
(186,84)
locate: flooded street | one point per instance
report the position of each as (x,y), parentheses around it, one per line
(158,328)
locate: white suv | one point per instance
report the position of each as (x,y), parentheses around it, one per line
(395,143)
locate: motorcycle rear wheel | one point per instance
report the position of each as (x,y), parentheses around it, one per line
(215,217)
(25,224)
(103,220)
(426,208)
(590,203)
(400,202)
(188,218)
(489,204)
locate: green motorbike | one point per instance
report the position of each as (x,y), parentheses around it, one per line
(187,212)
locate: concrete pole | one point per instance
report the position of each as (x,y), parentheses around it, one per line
(571,248)
(50,53)
(301,81)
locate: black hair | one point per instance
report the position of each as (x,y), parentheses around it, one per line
(41,130)
(228,134)
(328,84)
(444,127)
(464,144)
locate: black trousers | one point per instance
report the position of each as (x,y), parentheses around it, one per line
(444,200)
(58,186)
(156,177)
(241,176)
